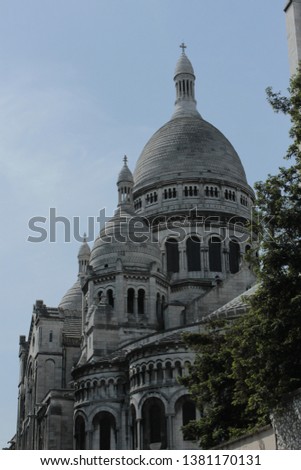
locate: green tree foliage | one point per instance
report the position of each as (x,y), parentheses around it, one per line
(245,367)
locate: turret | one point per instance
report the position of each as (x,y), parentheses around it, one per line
(125,185)
(83,257)
(184,79)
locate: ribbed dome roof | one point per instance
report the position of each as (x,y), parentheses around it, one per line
(84,250)
(125,174)
(188,147)
(183,65)
(72,300)
(121,239)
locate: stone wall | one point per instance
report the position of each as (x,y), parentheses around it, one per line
(287,424)
(261,440)
(284,434)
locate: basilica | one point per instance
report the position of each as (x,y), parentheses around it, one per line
(101,370)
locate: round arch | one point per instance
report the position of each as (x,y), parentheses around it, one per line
(104,431)
(154,432)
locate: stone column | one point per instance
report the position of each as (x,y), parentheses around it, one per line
(225,261)
(138,424)
(96,438)
(180,192)
(89,440)
(205,260)
(181,259)
(151,311)
(169,431)
(119,307)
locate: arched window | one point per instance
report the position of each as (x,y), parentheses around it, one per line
(159,373)
(172,254)
(234,256)
(193,254)
(110,298)
(215,257)
(178,369)
(188,412)
(168,371)
(130,300)
(140,300)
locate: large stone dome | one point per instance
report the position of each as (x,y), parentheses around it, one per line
(188,148)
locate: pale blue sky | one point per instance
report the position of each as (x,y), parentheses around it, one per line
(84,82)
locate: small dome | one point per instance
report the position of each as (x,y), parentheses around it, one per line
(72,300)
(125,174)
(184,65)
(127,238)
(84,250)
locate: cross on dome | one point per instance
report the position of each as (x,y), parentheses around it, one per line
(183,47)
(125,159)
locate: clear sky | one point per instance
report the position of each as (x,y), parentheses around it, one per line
(84,82)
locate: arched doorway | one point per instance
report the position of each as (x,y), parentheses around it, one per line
(154,424)
(104,432)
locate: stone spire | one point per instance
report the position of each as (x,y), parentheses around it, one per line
(125,185)
(83,256)
(184,78)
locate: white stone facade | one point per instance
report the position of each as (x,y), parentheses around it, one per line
(101,370)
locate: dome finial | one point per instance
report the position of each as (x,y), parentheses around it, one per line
(183,47)
(125,159)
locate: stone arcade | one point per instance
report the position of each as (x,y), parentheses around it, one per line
(100,370)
